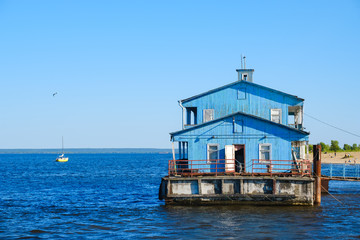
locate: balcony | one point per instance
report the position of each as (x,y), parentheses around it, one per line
(221,167)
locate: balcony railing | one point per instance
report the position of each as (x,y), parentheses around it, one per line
(184,167)
(281,167)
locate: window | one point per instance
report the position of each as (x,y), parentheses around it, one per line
(191,116)
(276,115)
(295,116)
(208,115)
(265,151)
(244,77)
(241,94)
(212,152)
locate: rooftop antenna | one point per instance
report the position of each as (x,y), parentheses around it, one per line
(244,62)
(241,61)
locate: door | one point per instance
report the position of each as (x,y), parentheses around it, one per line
(239,150)
(229,158)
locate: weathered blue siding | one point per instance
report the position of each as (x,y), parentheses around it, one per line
(243,97)
(254,132)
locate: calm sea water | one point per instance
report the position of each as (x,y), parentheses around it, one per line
(115,196)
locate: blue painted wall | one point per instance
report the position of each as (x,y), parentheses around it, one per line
(244,97)
(254,132)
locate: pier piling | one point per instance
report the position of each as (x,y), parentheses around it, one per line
(317,173)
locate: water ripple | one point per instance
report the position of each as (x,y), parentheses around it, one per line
(114,196)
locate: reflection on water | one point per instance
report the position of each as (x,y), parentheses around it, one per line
(114,196)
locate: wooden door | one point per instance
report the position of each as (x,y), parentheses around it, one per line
(229,158)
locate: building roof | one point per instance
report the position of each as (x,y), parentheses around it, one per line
(244,114)
(242,82)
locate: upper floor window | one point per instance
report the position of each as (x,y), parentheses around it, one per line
(191,116)
(276,115)
(295,116)
(208,115)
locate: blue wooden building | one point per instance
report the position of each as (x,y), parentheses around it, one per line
(241,127)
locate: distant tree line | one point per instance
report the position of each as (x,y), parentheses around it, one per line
(334,147)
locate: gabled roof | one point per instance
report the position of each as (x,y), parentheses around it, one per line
(242,82)
(244,114)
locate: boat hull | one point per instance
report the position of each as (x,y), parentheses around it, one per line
(62,159)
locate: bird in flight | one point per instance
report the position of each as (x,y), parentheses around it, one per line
(54,94)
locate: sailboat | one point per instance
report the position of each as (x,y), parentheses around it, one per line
(61,158)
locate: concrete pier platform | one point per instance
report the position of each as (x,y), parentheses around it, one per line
(254,190)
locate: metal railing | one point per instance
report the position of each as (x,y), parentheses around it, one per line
(281,167)
(185,167)
(341,170)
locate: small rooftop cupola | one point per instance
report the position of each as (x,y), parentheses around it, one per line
(243,73)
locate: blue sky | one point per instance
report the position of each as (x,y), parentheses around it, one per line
(119,67)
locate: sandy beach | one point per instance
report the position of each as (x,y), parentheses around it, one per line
(339,158)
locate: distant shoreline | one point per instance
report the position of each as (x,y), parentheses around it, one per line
(87,150)
(340,157)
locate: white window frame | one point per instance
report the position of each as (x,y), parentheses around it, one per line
(280,114)
(208,160)
(270,152)
(204,114)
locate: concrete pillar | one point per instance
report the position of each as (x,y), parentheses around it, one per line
(274,186)
(169,187)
